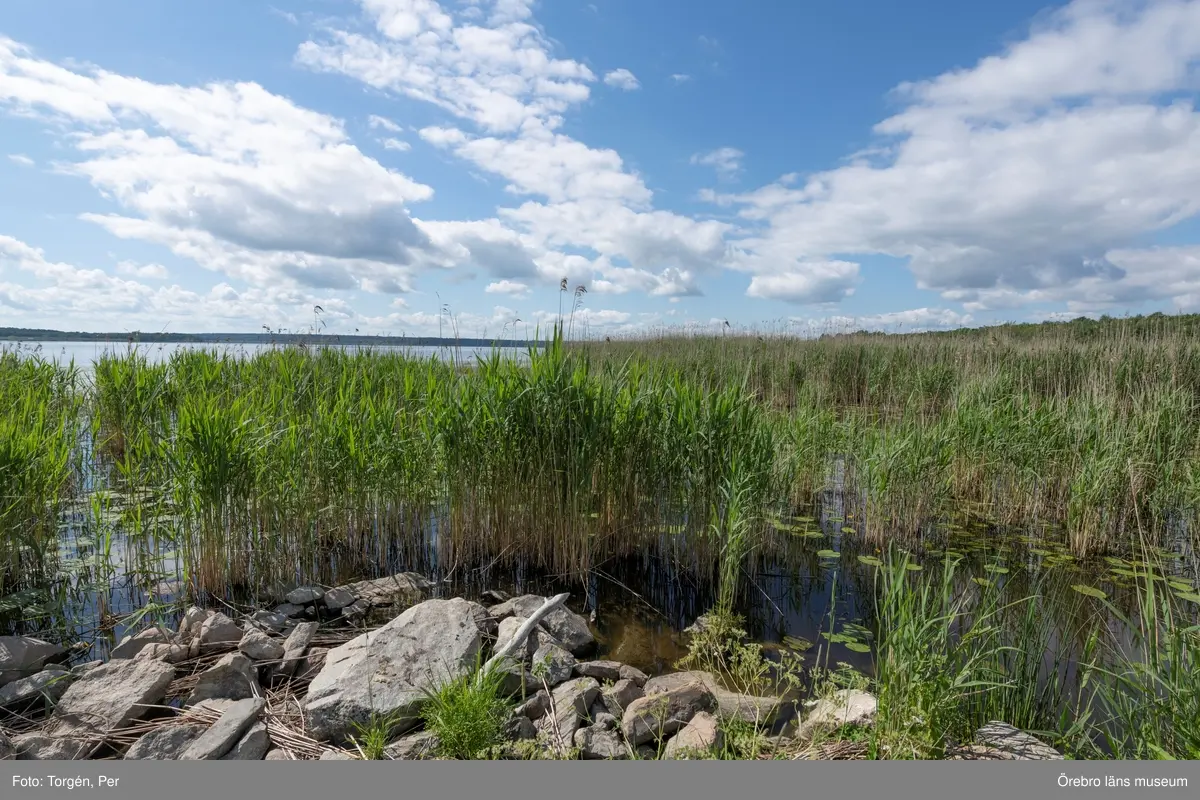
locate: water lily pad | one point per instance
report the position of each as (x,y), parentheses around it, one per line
(829,554)
(858,647)
(983,582)
(797,644)
(996,569)
(870,561)
(1037,551)
(913,567)
(848,530)
(1090,591)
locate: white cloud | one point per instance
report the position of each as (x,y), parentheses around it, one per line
(515,288)
(397,144)
(132,269)
(680,77)
(239,179)
(622,79)
(911,321)
(376,121)
(1011,180)
(727,161)
(807,282)
(23,160)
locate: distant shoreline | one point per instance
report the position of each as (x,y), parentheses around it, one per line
(142,337)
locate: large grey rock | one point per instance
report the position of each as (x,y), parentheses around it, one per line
(748,708)
(305,595)
(620,696)
(49,685)
(6,749)
(22,656)
(1022,746)
(389,670)
(700,737)
(601,717)
(600,670)
(659,715)
(271,621)
(217,632)
(519,728)
(634,674)
(166,743)
(413,747)
(312,664)
(277,754)
(338,598)
(130,646)
(518,678)
(538,638)
(336,755)
(536,706)
(563,624)
(231,678)
(170,652)
(226,732)
(843,707)
(290,610)
(556,664)
(253,745)
(569,708)
(597,743)
(258,646)
(404,588)
(189,625)
(102,700)
(294,648)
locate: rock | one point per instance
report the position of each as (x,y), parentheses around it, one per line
(336,755)
(557,663)
(596,743)
(102,700)
(290,610)
(571,701)
(487,625)
(277,755)
(730,705)
(1023,746)
(977,752)
(413,747)
(271,621)
(646,752)
(501,611)
(535,707)
(389,670)
(600,670)
(634,674)
(217,632)
(494,596)
(130,646)
(355,611)
(305,595)
(701,736)
(563,624)
(620,696)
(192,619)
(170,653)
(518,678)
(79,670)
(22,656)
(231,678)
(338,598)
(226,732)
(6,748)
(294,648)
(165,744)
(659,715)
(405,588)
(253,745)
(519,728)
(312,664)
(538,637)
(844,707)
(49,685)
(257,646)
(601,717)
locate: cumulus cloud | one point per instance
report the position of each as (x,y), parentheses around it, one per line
(515,288)
(238,178)
(133,269)
(1015,179)
(808,282)
(622,79)
(727,161)
(910,321)
(397,144)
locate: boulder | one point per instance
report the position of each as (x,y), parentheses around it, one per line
(253,745)
(338,598)
(519,728)
(730,705)
(294,648)
(22,656)
(336,755)
(413,747)
(355,611)
(388,671)
(217,632)
(170,653)
(659,715)
(597,743)
(1021,745)
(569,708)
(538,638)
(312,664)
(102,700)
(6,748)
(305,595)
(570,629)
(130,646)
(620,696)
(189,625)
(166,743)
(700,737)
(231,678)
(600,670)
(556,662)
(257,646)
(494,596)
(634,674)
(289,610)
(226,732)
(535,707)
(601,717)
(49,685)
(843,707)
(271,621)
(277,754)
(405,588)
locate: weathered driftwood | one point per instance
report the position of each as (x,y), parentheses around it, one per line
(523,632)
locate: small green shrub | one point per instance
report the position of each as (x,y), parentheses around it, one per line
(467,714)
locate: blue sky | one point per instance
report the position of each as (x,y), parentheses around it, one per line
(413,166)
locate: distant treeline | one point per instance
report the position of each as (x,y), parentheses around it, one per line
(143,337)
